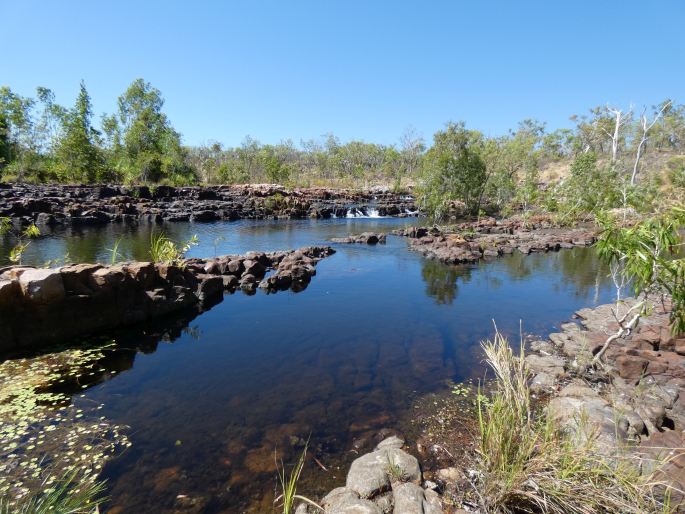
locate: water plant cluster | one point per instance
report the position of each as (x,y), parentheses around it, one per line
(47,434)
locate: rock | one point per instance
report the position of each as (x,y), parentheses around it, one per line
(344,501)
(236,267)
(42,285)
(369,238)
(76,278)
(85,298)
(390,442)
(230,282)
(542,382)
(411,499)
(449,474)
(9,292)
(369,475)
(549,364)
(254,268)
(631,367)
(408,498)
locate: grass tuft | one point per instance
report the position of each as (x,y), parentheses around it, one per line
(288,482)
(66,496)
(527,465)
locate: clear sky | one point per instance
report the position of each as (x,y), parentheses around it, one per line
(358,68)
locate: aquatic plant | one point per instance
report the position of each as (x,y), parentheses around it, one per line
(23,238)
(67,496)
(288,484)
(114,252)
(165,250)
(46,434)
(527,465)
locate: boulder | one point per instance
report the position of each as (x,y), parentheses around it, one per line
(411,499)
(370,474)
(42,285)
(345,501)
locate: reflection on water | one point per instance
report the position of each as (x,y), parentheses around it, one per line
(211,398)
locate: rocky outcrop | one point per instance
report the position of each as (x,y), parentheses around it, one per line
(67,204)
(368,238)
(43,306)
(489,238)
(634,402)
(384,481)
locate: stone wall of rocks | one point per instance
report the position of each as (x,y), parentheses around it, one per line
(384,481)
(635,400)
(367,238)
(61,204)
(41,306)
(471,242)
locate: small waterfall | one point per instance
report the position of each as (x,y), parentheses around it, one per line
(363,212)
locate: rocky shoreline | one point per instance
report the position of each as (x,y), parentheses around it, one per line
(634,400)
(471,242)
(82,299)
(89,204)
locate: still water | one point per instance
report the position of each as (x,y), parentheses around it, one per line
(210,400)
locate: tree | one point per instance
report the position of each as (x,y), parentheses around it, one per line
(143,142)
(78,155)
(452,170)
(646,126)
(412,147)
(648,256)
(15,129)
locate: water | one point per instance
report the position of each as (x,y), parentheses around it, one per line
(210,400)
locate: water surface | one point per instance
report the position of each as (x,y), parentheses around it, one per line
(210,399)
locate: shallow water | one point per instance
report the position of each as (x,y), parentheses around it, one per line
(209,401)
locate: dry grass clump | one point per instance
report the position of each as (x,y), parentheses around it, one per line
(527,465)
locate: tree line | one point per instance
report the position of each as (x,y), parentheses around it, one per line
(611,153)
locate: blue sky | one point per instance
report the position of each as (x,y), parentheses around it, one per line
(360,69)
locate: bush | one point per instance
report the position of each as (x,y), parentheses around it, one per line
(676,171)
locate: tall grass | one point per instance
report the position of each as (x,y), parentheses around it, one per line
(527,465)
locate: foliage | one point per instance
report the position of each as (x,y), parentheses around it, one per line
(649,255)
(45,434)
(590,188)
(527,465)
(115,255)
(165,250)
(676,171)
(463,170)
(23,238)
(142,145)
(67,496)
(452,170)
(78,155)
(288,482)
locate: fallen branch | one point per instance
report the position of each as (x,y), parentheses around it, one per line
(623,330)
